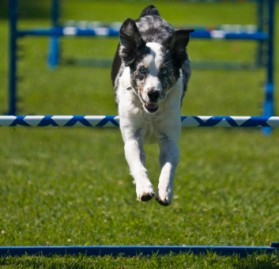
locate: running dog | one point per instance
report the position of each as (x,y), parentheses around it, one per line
(150,72)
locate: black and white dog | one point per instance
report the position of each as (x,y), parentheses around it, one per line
(150,73)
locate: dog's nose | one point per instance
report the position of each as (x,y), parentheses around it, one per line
(153,95)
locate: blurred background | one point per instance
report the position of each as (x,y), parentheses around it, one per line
(85,86)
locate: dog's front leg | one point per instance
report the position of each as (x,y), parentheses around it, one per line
(169,157)
(135,157)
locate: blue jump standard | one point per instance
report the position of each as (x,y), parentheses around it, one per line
(129,251)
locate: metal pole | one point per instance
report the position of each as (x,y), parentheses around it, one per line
(12,87)
(54,42)
(269,107)
(113,121)
(130,251)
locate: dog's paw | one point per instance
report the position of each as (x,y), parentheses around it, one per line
(145,197)
(145,194)
(164,198)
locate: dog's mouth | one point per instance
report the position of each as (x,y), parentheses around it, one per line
(151,107)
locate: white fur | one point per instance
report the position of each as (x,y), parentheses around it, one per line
(153,62)
(138,125)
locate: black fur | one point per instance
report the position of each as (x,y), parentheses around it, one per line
(150,10)
(132,44)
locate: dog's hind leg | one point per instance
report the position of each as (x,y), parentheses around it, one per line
(169,157)
(136,160)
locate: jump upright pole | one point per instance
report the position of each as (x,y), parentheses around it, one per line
(269,103)
(12,99)
(269,108)
(54,42)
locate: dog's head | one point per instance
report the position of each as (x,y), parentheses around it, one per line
(155,67)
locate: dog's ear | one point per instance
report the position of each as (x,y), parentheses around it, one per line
(150,10)
(130,41)
(178,43)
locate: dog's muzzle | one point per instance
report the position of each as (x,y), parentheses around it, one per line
(153,95)
(152,106)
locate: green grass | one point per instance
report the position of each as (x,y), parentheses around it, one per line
(72,186)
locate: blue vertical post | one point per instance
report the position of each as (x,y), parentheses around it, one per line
(269,107)
(54,43)
(12,86)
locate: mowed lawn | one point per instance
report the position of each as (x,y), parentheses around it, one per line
(71,186)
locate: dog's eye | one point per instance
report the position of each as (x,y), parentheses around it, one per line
(143,70)
(164,71)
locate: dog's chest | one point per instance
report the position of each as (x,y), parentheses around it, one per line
(151,127)
(154,126)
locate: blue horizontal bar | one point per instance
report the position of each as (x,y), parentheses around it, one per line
(221,34)
(113,121)
(68,31)
(111,32)
(135,250)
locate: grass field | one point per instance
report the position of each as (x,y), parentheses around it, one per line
(72,186)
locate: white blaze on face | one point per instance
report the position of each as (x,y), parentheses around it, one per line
(152,62)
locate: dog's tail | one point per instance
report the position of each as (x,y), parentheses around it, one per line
(150,10)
